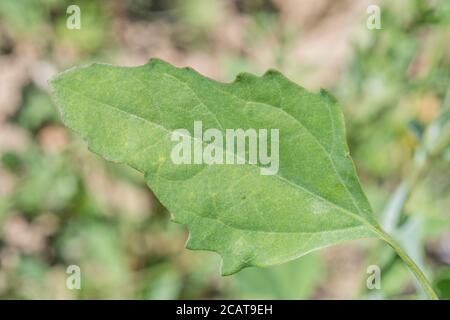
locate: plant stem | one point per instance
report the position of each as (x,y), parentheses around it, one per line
(420,276)
(423,157)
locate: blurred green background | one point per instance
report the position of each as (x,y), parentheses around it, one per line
(61,205)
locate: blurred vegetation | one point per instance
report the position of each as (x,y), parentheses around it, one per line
(62,205)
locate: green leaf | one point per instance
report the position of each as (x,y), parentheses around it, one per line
(314,200)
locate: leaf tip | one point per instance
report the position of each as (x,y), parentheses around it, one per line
(244,77)
(272,73)
(328,96)
(232,260)
(156,61)
(230,266)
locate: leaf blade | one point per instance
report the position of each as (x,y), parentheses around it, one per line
(315,200)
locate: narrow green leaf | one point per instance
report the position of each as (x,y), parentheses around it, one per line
(312,201)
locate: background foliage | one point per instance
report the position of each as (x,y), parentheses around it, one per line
(62,205)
